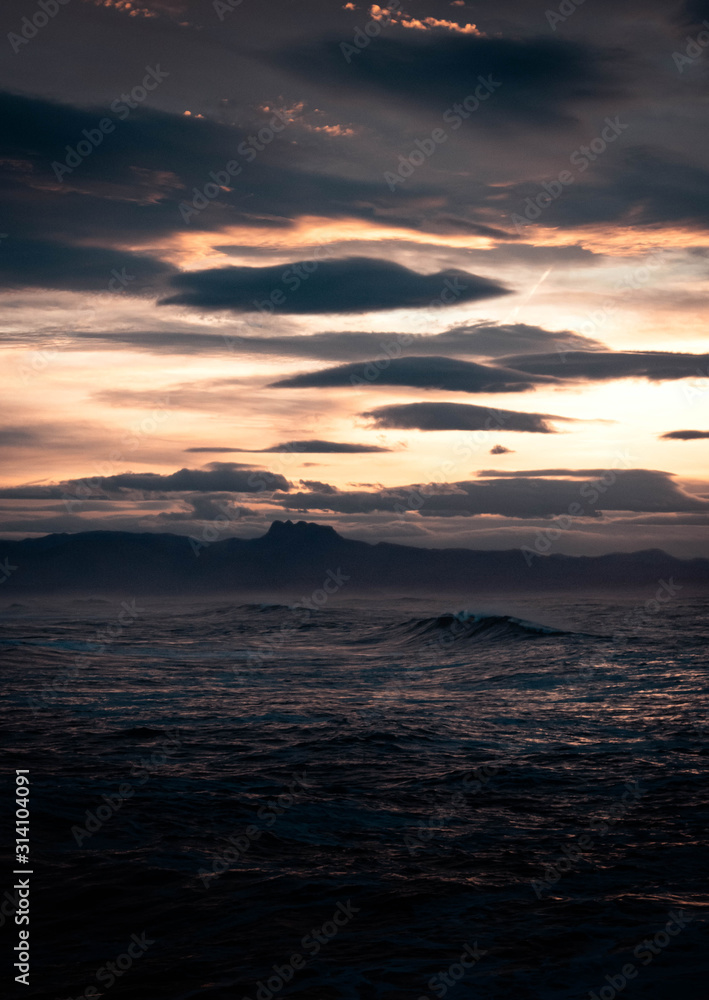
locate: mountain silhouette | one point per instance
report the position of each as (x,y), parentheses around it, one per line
(299,557)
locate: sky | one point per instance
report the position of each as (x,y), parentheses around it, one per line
(433,274)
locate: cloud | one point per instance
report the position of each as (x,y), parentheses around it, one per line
(420,373)
(601,366)
(482,339)
(313,447)
(497,340)
(43,264)
(322,447)
(551,473)
(638,490)
(17,437)
(459,417)
(348,285)
(215,477)
(209,507)
(684,435)
(693,12)
(500,449)
(540,78)
(424,24)
(638,187)
(132,187)
(318,487)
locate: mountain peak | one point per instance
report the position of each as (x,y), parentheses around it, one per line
(301,530)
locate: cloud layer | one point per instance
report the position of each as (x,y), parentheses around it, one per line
(350,285)
(313,447)
(460,417)
(420,373)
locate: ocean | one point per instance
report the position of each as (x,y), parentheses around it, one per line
(365,799)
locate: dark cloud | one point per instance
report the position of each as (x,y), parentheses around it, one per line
(638,186)
(323,447)
(483,339)
(550,473)
(496,340)
(684,435)
(215,477)
(318,487)
(208,507)
(135,186)
(421,373)
(637,490)
(305,447)
(693,13)
(34,493)
(500,449)
(460,417)
(540,79)
(600,366)
(17,437)
(141,180)
(41,264)
(350,285)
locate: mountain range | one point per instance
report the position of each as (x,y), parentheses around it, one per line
(301,558)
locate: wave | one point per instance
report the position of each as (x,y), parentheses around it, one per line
(263,607)
(469,626)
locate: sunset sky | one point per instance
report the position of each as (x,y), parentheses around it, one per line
(419,273)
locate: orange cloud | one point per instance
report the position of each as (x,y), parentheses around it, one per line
(331,129)
(384,14)
(200,249)
(623,241)
(125,7)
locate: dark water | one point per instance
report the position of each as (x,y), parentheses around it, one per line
(365,789)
